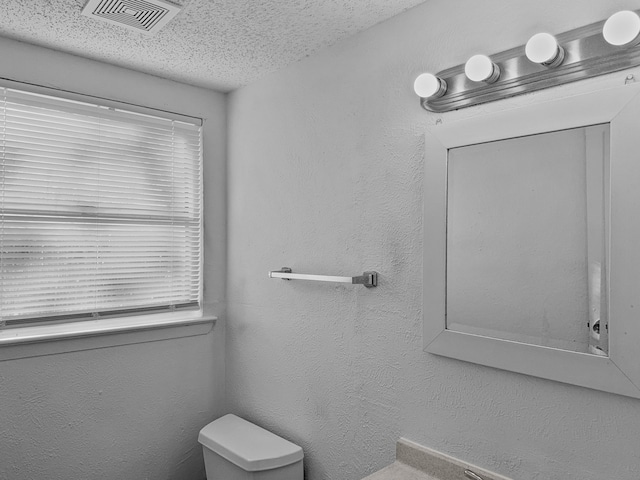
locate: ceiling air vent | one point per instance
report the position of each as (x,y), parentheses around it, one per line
(146,16)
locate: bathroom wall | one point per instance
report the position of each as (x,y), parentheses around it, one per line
(130,411)
(325,176)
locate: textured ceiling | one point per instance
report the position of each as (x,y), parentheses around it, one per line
(219,44)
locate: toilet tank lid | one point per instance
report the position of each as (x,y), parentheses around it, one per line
(250,447)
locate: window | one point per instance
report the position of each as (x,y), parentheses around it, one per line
(100,211)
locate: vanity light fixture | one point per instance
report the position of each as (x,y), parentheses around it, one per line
(543,48)
(428,85)
(622,28)
(545,61)
(480,68)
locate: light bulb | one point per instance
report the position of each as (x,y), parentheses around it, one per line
(480,68)
(428,85)
(543,48)
(622,28)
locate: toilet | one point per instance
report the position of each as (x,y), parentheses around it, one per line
(235,449)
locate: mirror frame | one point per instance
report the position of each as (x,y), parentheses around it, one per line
(619,372)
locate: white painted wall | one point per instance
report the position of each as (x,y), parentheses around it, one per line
(325,176)
(131,411)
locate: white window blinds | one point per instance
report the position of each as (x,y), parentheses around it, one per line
(100,210)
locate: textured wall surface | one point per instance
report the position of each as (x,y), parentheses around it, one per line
(130,411)
(325,176)
(125,412)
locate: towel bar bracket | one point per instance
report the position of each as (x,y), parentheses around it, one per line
(368,279)
(284,270)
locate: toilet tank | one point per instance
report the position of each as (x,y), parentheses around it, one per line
(235,449)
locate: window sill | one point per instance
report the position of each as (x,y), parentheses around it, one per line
(51,339)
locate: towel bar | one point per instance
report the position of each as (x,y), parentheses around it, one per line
(368,279)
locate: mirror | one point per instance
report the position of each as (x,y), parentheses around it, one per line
(531,234)
(525,239)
